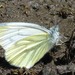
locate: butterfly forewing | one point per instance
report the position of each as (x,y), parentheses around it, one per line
(10,35)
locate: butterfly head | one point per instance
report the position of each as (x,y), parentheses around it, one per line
(54,31)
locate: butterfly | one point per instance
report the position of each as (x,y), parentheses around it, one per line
(26,43)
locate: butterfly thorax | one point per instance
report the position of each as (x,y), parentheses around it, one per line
(54,34)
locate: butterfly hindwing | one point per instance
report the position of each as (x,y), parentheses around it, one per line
(27,54)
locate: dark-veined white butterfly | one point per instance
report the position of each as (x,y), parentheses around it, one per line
(26,43)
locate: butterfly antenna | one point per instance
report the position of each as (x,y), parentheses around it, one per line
(56,21)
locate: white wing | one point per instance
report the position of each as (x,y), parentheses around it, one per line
(24,43)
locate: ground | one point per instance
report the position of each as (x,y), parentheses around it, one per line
(61,59)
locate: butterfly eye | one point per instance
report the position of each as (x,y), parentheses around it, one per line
(54,28)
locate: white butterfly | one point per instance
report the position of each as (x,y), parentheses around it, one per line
(26,43)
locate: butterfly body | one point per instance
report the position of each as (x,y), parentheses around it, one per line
(26,43)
